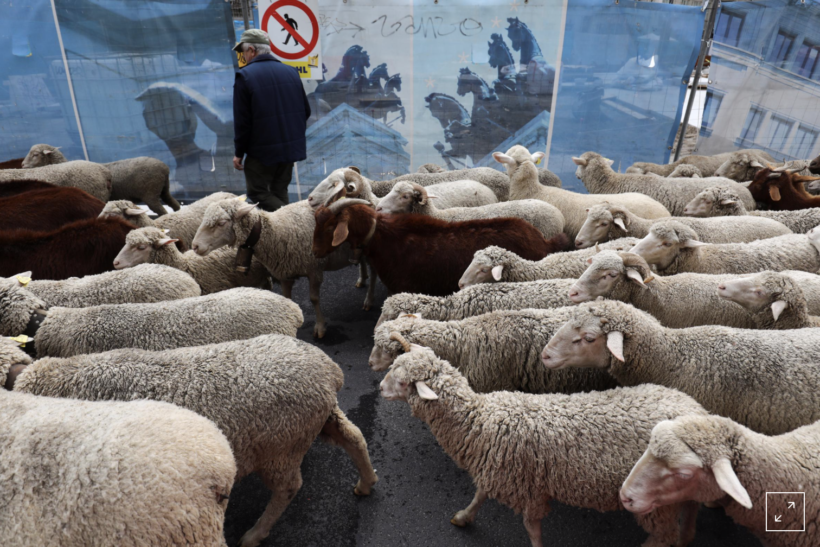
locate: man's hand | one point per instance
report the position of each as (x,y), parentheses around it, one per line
(237,164)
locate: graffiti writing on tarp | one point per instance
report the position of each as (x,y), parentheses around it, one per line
(426,27)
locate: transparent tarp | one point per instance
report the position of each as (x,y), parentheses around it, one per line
(625,68)
(764,80)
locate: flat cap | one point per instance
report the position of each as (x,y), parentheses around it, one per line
(252,36)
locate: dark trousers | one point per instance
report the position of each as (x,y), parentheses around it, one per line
(267,185)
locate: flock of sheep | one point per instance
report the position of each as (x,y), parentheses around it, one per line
(670,360)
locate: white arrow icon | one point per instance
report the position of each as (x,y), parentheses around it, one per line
(791,505)
(777,518)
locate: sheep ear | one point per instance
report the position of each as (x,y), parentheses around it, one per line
(729,483)
(47,152)
(727,201)
(609,162)
(166,241)
(777,308)
(635,276)
(432,196)
(756,164)
(497,270)
(243,197)
(133,212)
(692,243)
(579,161)
(620,222)
(500,157)
(425,392)
(774,193)
(22,279)
(244,211)
(746,183)
(354,168)
(615,344)
(340,233)
(537,157)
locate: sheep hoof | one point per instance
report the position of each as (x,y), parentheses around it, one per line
(367,305)
(361,283)
(460,519)
(360,491)
(319,331)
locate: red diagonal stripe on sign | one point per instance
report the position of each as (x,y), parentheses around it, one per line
(290,29)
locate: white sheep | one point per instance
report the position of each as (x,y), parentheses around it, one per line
(213,273)
(772,376)
(291,384)
(606,221)
(235,314)
(85,175)
(707,165)
(715,202)
(406,197)
(181,225)
(775,299)
(143,179)
(674,193)
(494,264)
(524,184)
(495,351)
(704,458)
(145,283)
(490,178)
(677,301)
(284,248)
(79,473)
(675,248)
(525,450)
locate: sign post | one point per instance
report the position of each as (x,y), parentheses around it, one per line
(294,33)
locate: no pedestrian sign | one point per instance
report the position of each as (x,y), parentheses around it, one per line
(294,34)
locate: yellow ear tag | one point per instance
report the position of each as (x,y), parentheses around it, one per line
(22,340)
(243,198)
(24,281)
(539,161)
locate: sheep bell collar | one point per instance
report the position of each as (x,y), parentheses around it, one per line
(244,255)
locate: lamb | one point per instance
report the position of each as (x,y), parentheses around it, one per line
(772,375)
(704,458)
(606,221)
(290,383)
(521,168)
(675,248)
(142,284)
(92,178)
(476,300)
(181,225)
(494,264)
(236,314)
(496,181)
(574,449)
(143,179)
(79,473)
(497,351)
(284,246)
(677,301)
(599,178)
(415,253)
(714,202)
(408,197)
(85,247)
(47,209)
(707,165)
(775,300)
(213,273)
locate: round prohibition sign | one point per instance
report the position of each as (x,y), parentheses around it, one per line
(271,12)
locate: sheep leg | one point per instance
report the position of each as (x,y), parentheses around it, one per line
(533,526)
(466,516)
(315,282)
(362,273)
(371,289)
(287,287)
(167,197)
(155,205)
(340,431)
(284,487)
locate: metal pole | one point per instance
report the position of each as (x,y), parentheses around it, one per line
(245,11)
(705,41)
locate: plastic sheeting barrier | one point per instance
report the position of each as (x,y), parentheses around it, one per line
(764,80)
(625,68)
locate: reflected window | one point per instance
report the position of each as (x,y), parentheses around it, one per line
(806,61)
(779,129)
(804,140)
(782,46)
(710,108)
(728,28)
(752,124)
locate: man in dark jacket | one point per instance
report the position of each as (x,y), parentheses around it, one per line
(270,111)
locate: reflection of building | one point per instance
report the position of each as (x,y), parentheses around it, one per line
(765,81)
(533,136)
(344,136)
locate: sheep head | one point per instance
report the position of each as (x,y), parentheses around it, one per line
(666,240)
(220,225)
(412,372)
(487,266)
(516,157)
(41,155)
(402,198)
(334,224)
(140,247)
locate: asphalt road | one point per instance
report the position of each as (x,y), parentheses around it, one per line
(419,487)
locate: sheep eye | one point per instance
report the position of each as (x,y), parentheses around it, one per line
(605,224)
(141,247)
(667,244)
(485,270)
(589,338)
(222,222)
(684,476)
